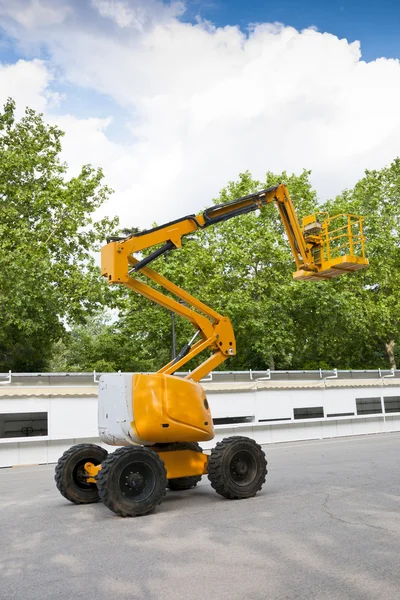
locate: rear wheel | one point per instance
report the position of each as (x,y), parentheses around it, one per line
(237,468)
(70,475)
(132,481)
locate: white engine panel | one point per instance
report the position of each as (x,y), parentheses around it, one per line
(116,410)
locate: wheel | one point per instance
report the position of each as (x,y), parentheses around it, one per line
(184,483)
(70,474)
(237,468)
(132,481)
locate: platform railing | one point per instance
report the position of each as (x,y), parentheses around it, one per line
(343,235)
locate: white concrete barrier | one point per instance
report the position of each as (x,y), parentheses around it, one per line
(42,417)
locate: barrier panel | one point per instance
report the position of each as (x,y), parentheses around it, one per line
(41,415)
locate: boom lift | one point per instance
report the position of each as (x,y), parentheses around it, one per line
(159,418)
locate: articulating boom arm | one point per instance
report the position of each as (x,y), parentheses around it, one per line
(312,245)
(173,232)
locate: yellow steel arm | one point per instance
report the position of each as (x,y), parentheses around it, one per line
(310,249)
(173,232)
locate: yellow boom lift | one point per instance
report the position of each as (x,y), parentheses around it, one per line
(159,418)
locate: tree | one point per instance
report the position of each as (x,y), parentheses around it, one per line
(48,277)
(332,327)
(377,197)
(242,268)
(139,340)
(93,346)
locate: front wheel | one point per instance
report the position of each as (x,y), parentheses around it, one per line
(237,468)
(132,481)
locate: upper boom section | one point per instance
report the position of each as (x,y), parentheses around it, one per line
(174,231)
(318,253)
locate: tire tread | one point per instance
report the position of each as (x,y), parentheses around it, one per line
(61,465)
(105,493)
(215,467)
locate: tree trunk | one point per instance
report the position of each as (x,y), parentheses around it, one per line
(390,352)
(271,362)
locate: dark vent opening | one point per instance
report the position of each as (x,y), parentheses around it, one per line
(369,406)
(233,420)
(309,412)
(15,425)
(270,420)
(392,404)
(349,414)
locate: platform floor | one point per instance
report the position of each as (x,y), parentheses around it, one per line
(325,527)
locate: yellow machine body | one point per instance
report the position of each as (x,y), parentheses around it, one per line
(155,410)
(151,409)
(170,409)
(178,463)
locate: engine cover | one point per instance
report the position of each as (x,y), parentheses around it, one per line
(152,409)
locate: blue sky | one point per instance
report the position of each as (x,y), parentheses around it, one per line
(172,104)
(375,23)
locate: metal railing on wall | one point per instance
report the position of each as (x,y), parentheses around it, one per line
(15,379)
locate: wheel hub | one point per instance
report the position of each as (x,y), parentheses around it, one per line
(240,467)
(80,475)
(135,481)
(243,468)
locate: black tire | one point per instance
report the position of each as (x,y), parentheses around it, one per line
(70,475)
(132,481)
(237,468)
(184,483)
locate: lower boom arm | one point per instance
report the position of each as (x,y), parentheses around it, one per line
(216,331)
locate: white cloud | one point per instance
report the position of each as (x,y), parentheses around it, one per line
(35,13)
(208,103)
(121,13)
(27,82)
(136,13)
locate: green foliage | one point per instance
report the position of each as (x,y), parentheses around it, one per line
(48,276)
(52,299)
(243,268)
(377,197)
(137,341)
(92,346)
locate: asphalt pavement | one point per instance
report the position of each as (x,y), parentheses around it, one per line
(326,526)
